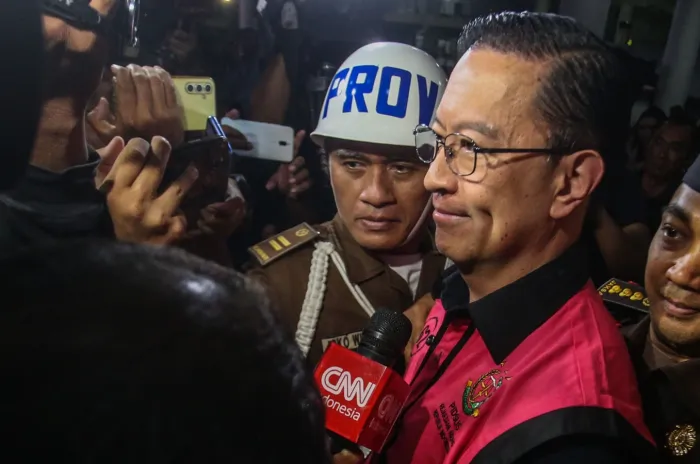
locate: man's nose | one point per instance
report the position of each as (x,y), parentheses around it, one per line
(378,189)
(685,272)
(440,178)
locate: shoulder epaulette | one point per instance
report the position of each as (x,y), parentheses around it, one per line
(279,245)
(623,293)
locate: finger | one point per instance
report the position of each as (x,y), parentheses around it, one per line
(144,97)
(273,183)
(104,179)
(110,153)
(297,190)
(170,200)
(103,7)
(170,90)
(300,177)
(155,81)
(296,164)
(102,110)
(236,139)
(129,163)
(125,94)
(100,122)
(177,228)
(233,114)
(227,208)
(298,140)
(151,174)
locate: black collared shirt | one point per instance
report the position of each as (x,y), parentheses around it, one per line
(671,397)
(536,361)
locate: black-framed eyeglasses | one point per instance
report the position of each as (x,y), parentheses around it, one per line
(461,152)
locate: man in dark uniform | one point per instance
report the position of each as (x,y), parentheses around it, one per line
(377,253)
(668,341)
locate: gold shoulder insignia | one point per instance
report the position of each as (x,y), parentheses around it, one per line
(623,293)
(273,248)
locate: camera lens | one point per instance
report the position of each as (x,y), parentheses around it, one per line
(190,88)
(207,88)
(199,88)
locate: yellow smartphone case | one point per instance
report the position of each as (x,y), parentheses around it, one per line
(198,97)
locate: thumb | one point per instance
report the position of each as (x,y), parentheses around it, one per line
(102,110)
(233,114)
(99,118)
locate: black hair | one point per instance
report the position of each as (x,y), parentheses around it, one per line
(118,353)
(585,100)
(20,85)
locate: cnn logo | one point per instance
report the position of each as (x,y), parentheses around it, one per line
(336,381)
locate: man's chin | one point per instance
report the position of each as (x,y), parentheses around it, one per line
(378,241)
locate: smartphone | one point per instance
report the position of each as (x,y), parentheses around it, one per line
(211,155)
(270,142)
(198,98)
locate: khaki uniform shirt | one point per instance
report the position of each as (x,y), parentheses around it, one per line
(671,396)
(342,319)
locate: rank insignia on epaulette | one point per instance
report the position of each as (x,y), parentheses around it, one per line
(623,293)
(274,247)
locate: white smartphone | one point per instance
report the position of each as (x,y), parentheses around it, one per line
(270,141)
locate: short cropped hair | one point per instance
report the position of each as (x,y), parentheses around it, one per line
(116,353)
(585,100)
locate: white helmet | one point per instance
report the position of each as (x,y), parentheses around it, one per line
(380,94)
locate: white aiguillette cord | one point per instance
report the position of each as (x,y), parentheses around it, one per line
(316,290)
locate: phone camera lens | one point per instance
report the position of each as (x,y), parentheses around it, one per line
(190,88)
(199,88)
(207,88)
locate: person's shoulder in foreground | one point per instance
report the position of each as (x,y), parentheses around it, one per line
(117,352)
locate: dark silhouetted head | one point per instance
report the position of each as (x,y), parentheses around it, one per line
(122,353)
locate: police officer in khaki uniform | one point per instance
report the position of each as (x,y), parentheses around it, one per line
(667,344)
(328,280)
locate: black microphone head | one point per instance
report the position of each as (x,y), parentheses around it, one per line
(386,337)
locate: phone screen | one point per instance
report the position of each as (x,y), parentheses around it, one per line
(211,155)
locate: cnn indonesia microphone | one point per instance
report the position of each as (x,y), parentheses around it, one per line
(362,392)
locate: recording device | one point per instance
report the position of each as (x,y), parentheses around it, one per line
(270,142)
(122,26)
(198,98)
(211,155)
(362,393)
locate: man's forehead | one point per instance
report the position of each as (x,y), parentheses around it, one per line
(686,202)
(490,87)
(676,132)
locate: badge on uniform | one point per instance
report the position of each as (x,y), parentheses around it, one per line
(273,248)
(625,294)
(350,341)
(681,440)
(479,392)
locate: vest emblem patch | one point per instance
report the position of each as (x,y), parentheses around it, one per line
(479,392)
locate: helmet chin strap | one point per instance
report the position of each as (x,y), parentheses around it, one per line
(416,228)
(419,225)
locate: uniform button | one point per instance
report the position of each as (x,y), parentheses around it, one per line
(430,340)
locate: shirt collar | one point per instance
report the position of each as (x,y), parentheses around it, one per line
(506,317)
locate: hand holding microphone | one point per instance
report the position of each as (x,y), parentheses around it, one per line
(362,393)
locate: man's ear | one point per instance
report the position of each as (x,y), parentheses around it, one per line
(577,176)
